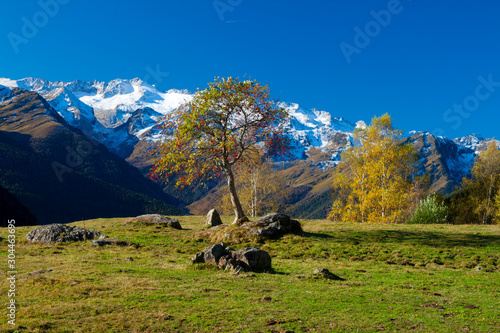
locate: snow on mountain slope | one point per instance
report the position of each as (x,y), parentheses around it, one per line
(8,82)
(68,106)
(4,92)
(312,128)
(121,113)
(475,142)
(114,103)
(458,159)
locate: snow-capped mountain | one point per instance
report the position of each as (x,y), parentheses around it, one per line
(121,113)
(113,102)
(475,142)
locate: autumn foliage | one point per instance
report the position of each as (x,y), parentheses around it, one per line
(261,190)
(231,123)
(478,199)
(376,179)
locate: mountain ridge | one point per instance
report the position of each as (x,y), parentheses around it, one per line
(126,116)
(59,174)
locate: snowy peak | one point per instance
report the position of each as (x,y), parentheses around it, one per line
(34,84)
(313,118)
(121,113)
(80,88)
(472,141)
(119,87)
(67,105)
(475,142)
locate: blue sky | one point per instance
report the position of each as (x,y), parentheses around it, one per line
(432,65)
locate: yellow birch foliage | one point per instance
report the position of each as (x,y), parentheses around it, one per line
(375,180)
(486,175)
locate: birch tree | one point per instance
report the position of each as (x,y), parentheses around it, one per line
(486,176)
(375,179)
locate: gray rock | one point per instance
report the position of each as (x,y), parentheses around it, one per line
(325,273)
(253,259)
(273,225)
(213,218)
(213,253)
(247,259)
(109,241)
(54,233)
(227,262)
(198,258)
(157,219)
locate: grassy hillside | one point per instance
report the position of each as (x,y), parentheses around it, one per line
(419,278)
(60,175)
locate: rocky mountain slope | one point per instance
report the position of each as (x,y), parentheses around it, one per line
(125,116)
(61,175)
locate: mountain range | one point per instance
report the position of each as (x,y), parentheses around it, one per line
(65,148)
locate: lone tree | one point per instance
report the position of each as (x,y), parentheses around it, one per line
(230,123)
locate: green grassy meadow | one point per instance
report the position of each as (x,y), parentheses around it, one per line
(418,278)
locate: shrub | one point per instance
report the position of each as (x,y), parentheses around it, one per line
(430,211)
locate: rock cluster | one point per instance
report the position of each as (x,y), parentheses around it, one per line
(270,226)
(157,219)
(53,233)
(246,259)
(273,225)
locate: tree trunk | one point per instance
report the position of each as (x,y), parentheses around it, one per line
(485,215)
(235,201)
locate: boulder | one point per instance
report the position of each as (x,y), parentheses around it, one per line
(246,259)
(157,219)
(198,258)
(241,220)
(54,233)
(270,226)
(213,253)
(213,218)
(253,259)
(273,225)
